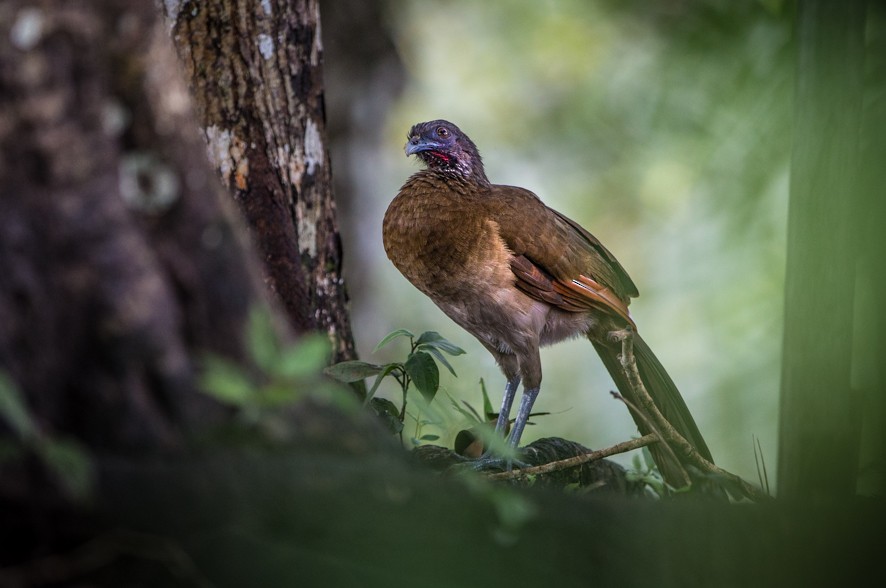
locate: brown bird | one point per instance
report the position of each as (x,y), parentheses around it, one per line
(517,275)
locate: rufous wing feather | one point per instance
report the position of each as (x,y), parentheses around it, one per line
(579,295)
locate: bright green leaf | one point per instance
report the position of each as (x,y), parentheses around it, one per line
(14,411)
(279,394)
(304,359)
(424,373)
(226,381)
(391,336)
(352,371)
(263,343)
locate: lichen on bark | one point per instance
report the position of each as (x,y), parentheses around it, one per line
(256,76)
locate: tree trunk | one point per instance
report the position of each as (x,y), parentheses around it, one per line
(820,411)
(119,262)
(255,71)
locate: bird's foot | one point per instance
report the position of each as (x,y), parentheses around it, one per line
(621,335)
(488,461)
(626,338)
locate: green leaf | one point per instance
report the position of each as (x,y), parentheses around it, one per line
(424,373)
(279,394)
(391,336)
(647,457)
(352,371)
(387,369)
(334,395)
(388,413)
(304,359)
(71,465)
(434,339)
(469,413)
(263,343)
(14,410)
(487,405)
(439,357)
(226,381)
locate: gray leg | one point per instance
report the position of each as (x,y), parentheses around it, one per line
(504,414)
(526,403)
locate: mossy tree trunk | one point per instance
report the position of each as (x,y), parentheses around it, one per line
(255,69)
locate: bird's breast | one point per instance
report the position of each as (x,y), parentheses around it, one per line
(445,244)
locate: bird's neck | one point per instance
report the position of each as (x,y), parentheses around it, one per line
(458,176)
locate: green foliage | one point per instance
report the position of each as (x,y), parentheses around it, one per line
(419,370)
(280,375)
(644,470)
(66,460)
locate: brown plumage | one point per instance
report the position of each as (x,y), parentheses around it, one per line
(515,274)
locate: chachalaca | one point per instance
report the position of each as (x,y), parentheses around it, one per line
(518,275)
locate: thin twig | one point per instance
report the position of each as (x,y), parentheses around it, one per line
(578,460)
(671,436)
(686,479)
(651,416)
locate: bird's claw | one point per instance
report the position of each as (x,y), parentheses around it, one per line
(622,335)
(488,462)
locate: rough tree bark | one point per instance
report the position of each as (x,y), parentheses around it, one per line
(120,263)
(256,75)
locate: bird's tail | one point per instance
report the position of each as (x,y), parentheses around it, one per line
(666,397)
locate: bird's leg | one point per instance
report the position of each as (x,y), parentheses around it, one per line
(501,425)
(489,459)
(526,403)
(504,415)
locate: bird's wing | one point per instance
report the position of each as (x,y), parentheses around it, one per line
(555,259)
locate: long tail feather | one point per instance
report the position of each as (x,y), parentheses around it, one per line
(666,397)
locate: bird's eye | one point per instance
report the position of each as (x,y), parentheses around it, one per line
(442,132)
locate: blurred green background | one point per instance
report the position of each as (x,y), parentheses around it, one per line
(664,129)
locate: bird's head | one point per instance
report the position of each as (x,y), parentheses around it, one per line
(443,147)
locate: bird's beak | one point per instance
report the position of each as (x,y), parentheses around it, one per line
(415,145)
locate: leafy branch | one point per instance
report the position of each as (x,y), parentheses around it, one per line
(419,369)
(277,374)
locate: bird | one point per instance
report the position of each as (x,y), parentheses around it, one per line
(518,275)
